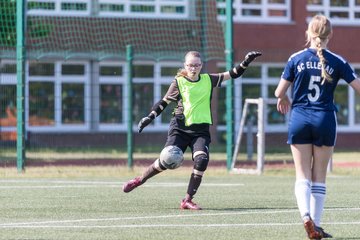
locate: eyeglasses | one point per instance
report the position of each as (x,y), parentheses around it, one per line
(193,65)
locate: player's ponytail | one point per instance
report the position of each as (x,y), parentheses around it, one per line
(320,30)
(324,74)
(181,73)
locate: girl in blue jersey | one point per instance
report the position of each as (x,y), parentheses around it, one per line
(189,127)
(313,74)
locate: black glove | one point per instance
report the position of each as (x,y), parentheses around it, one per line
(145,121)
(250,57)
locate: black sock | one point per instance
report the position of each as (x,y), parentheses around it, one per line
(194,183)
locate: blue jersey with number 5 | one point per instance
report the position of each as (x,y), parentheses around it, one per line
(303,69)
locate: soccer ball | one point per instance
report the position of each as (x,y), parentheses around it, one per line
(171,157)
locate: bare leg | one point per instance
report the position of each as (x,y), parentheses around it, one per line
(302,154)
(322,156)
(151,171)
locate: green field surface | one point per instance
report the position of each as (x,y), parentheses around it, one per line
(87,203)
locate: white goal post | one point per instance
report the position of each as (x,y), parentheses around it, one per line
(261,104)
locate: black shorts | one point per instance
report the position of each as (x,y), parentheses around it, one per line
(196,136)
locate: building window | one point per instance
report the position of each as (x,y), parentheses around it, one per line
(8,105)
(273,116)
(8,111)
(41,69)
(169,71)
(37,5)
(72,103)
(254,72)
(257,10)
(41,103)
(250,91)
(8,68)
(143,89)
(143,100)
(145,9)
(143,71)
(111,103)
(116,71)
(112,95)
(221,110)
(74,79)
(140,8)
(338,11)
(167,114)
(341,100)
(58,7)
(73,6)
(357,101)
(259,81)
(112,8)
(58,95)
(166,76)
(73,69)
(41,99)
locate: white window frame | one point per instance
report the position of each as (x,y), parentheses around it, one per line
(161,80)
(58,11)
(264,7)
(8,79)
(157,4)
(351,103)
(326,9)
(58,80)
(157,80)
(153,80)
(109,127)
(27,94)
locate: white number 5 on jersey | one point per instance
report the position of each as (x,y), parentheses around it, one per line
(314,86)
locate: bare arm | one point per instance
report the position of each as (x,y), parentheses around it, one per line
(226,75)
(282,88)
(283,102)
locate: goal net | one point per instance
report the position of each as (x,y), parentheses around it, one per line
(76,89)
(101,29)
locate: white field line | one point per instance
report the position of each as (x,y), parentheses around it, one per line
(55,181)
(182,225)
(116,186)
(89,184)
(50,223)
(76,184)
(174,225)
(152,185)
(57,186)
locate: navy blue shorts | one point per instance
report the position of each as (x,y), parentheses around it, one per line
(308,126)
